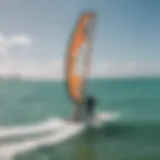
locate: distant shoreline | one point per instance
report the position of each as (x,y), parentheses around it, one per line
(21,79)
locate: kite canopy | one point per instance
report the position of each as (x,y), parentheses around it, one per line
(78,56)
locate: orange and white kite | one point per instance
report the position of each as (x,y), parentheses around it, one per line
(78,56)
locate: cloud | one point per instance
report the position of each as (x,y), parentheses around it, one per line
(33,69)
(8,63)
(20,40)
(16,40)
(54,69)
(3,45)
(125,69)
(113,68)
(30,68)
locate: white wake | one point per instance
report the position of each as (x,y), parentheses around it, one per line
(9,151)
(60,131)
(50,125)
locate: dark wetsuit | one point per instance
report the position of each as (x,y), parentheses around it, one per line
(90,105)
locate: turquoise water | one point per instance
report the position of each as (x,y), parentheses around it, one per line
(134,136)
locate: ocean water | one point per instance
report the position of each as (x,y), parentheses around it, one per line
(135,135)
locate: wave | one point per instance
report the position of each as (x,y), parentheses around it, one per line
(10,150)
(60,130)
(49,125)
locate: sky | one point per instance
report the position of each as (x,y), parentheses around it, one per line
(34,36)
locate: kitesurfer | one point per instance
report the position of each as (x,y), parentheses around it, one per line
(84,112)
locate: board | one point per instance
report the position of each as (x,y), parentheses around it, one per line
(100,119)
